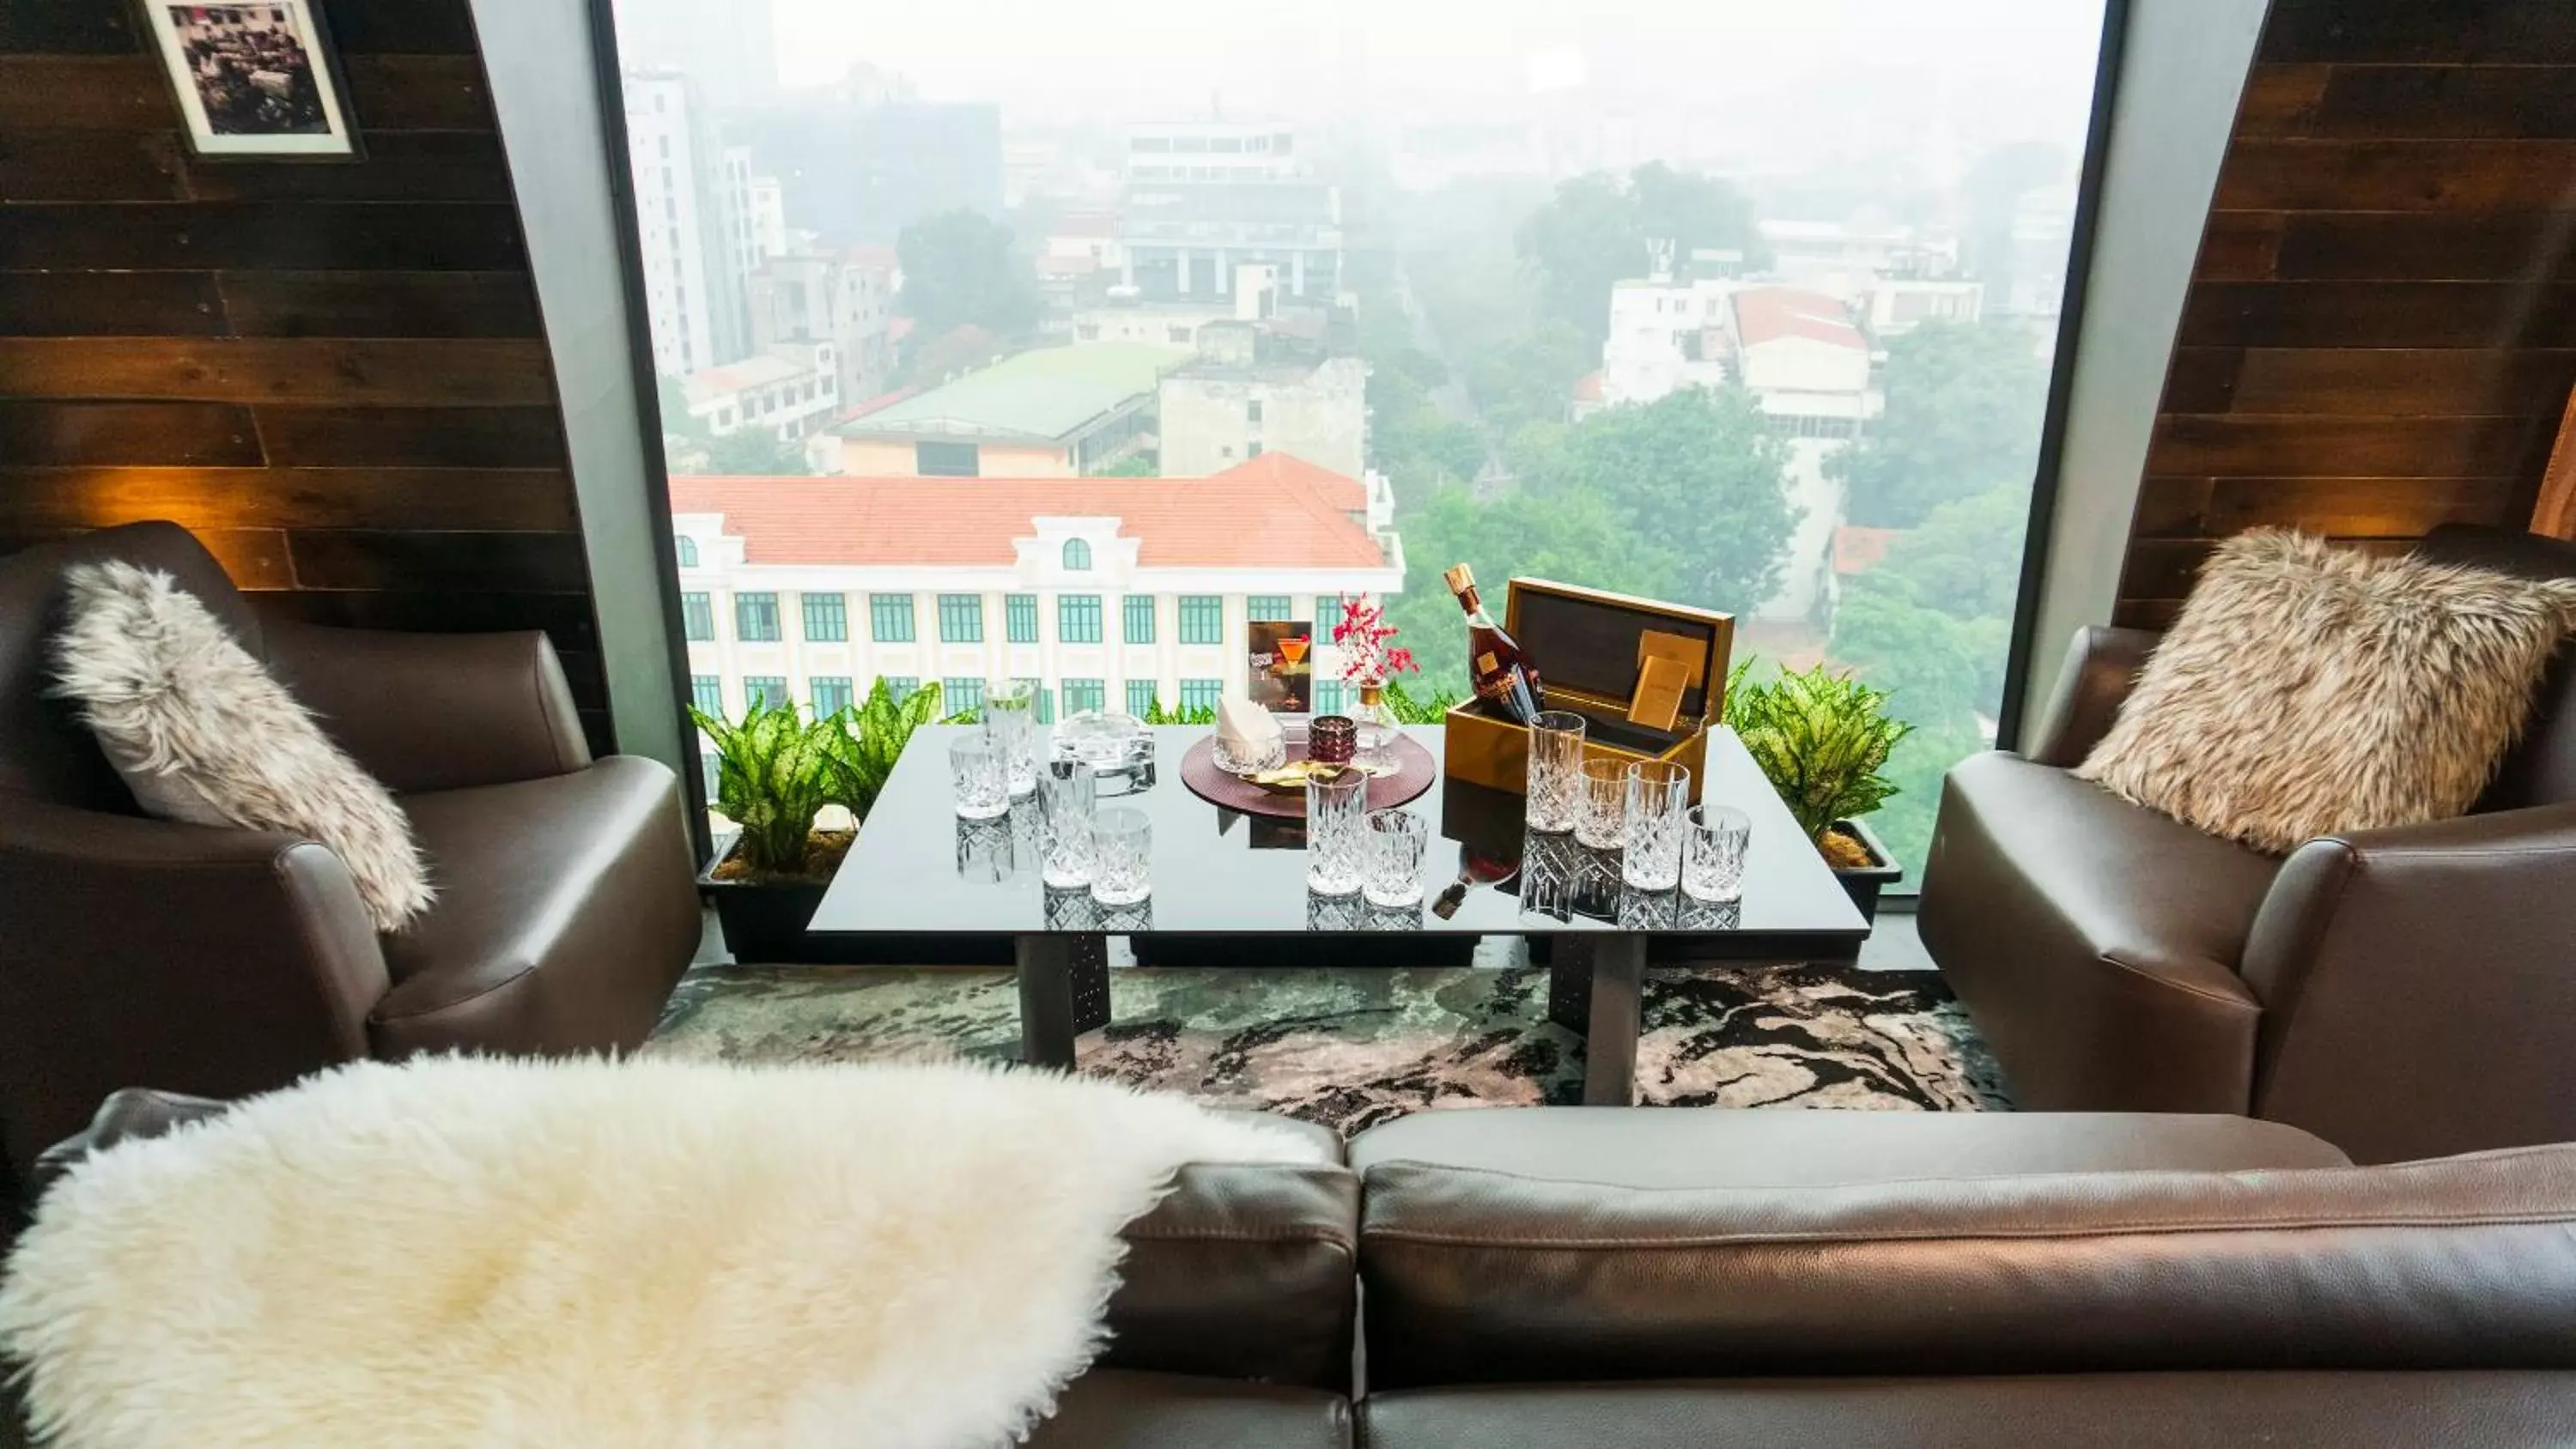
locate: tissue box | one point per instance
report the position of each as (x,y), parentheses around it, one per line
(1590,647)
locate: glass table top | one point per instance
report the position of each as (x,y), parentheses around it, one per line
(918,868)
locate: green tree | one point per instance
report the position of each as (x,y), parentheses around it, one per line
(959,270)
(1135,465)
(1531,378)
(755,453)
(1964,402)
(1581,539)
(1594,232)
(1696,478)
(672,399)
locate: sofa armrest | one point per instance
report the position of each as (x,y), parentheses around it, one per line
(435,711)
(1244,1271)
(2101,668)
(2415,986)
(130,1114)
(217,962)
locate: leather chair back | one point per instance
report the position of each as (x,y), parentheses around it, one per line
(44,750)
(2542,769)
(1479,1277)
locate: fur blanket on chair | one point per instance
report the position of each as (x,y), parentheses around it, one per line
(628,1255)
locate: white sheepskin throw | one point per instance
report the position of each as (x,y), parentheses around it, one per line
(2308,690)
(201,733)
(464,1252)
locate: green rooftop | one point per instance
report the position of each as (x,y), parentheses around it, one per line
(1050,395)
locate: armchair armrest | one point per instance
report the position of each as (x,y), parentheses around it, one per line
(2417,997)
(129,1114)
(209,961)
(2101,668)
(434,711)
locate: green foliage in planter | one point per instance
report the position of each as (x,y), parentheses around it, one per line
(772,775)
(1426,711)
(1194,715)
(1821,737)
(864,740)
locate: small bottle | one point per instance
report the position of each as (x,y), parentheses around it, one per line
(1502,673)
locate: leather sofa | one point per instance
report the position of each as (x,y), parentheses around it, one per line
(226,962)
(1655,1278)
(2403,993)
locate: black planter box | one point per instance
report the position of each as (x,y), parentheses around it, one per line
(764,925)
(1864,886)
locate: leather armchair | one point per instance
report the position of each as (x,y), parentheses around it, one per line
(226,962)
(2403,993)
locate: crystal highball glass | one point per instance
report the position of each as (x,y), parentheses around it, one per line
(1658,812)
(1601,803)
(1336,811)
(1065,794)
(1713,852)
(1555,764)
(1391,860)
(975,767)
(1010,717)
(1122,856)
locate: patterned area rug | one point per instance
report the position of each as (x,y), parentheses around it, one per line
(1352,1048)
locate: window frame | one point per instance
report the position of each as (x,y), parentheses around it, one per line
(891,619)
(961,618)
(830,611)
(1020,623)
(697,617)
(1079,611)
(815,685)
(759,688)
(1136,625)
(743,606)
(1199,610)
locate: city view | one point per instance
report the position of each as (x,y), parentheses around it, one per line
(1068,345)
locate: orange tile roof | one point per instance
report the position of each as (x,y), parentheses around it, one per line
(1768,314)
(1857,550)
(1587,388)
(1247,517)
(1287,470)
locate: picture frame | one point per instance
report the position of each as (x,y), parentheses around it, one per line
(259,79)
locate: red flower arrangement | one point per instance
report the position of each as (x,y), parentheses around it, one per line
(1362,637)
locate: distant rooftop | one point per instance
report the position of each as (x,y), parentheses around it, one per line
(764,370)
(1770,314)
(1047,395)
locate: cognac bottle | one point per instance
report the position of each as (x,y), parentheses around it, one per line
(1502,673)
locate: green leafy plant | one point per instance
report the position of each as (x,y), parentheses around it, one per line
(772,776)
(863,741)
(1821,737)
(1159,714)
(1429,710)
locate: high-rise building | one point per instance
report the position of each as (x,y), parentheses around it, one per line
(693,270)
(857,168)
(1203,197)
(843,298)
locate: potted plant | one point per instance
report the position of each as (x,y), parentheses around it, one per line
(1822,738)
(776,770)
(1371,661)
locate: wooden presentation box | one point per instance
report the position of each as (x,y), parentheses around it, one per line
(1589,647)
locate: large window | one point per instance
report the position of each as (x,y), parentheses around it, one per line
(1750,308)
(890,618)
(827,618)
(1082,694)
(957,694)
(755,618)
(1201,693)
(1140,697)
(769,690)
(828,693)
(697,618)
(706,692)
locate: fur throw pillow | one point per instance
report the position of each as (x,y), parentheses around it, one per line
(201,733)
(2308,690)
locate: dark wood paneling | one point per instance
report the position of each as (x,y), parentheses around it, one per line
(192,434)
(109,304)
(2379,314)
(294,236)
(443,372)
(379,304)
(334,373)
(316,437)
(462,562)
(483,500)
(91,166)
(2381,330)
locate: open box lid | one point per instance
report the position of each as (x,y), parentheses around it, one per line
(1585,643)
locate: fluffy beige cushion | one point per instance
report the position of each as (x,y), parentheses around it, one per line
(2308,690)
(201,733)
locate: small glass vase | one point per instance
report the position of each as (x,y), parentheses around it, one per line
(1379,727)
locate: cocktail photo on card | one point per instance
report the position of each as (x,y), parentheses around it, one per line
(1282,666)
(253,80)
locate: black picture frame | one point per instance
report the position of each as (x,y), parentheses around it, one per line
(308,108)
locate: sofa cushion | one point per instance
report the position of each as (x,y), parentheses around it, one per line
(1110,1409)
(564,898)
(2308,690)
(1479,1277)
(2069,1411)
(1789,1147)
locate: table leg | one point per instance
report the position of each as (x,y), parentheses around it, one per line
(1610,1035)
(1569,983)
(1064,990)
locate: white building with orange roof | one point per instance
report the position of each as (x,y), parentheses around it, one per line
(1109,592)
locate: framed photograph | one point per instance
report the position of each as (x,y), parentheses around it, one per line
(254,80)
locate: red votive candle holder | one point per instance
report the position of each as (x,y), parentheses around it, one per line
(1332,739)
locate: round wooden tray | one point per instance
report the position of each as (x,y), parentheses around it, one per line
(1414,773)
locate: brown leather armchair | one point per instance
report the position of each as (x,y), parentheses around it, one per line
(226,962)
(2403,993)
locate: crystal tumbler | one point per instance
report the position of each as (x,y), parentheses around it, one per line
(1601,804)
(1065,794)
(975,766)
(1122,846)
(1011,722)
(1555,766)
(1658,812)
(1336,812)
(1391,861)
(1713,850)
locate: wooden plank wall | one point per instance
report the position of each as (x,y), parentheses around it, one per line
(2381,330)
(333,372)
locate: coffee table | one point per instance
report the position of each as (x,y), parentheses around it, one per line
(1218,873)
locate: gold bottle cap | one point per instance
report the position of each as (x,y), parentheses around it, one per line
(1461,579)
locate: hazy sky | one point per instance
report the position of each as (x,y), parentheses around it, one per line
(1996,69)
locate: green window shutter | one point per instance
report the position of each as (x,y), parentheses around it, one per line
(1020,618)
(1269,608)
(1136,613)
(890,618)
(961,618)
(697,617)
(1202,619)
(827,618)
(755,618)
(1077,618)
